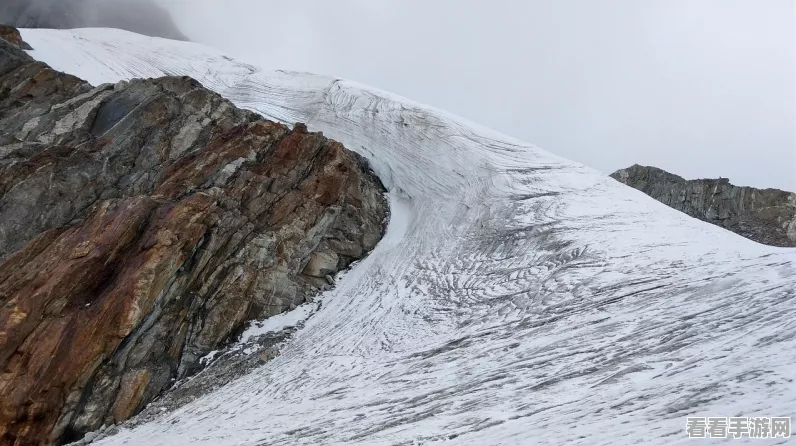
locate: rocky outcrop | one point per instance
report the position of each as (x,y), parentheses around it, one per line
(142,225)
(766,216)
(12,36)
(139,16)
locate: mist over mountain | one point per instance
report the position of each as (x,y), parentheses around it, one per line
(140,16)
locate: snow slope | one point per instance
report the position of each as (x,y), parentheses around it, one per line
(518,297)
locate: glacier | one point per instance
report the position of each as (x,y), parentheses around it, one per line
(517,297)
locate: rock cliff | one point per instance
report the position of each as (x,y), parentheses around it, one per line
(139,16)
(142,225)
(766,216)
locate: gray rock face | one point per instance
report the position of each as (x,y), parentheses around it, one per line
(139,16)
(766,216)
(142,225)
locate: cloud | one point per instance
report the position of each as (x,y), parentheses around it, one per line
(701,88)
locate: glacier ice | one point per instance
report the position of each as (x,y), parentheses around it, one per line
(517,298)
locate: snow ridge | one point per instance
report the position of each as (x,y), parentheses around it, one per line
(517,298)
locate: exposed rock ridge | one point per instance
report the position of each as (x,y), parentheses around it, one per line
(12,35)
(142,225)
(766,216)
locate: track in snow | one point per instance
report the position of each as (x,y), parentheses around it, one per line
(517,298)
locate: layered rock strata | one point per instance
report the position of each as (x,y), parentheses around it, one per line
(142,225)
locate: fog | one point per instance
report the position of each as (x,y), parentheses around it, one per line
(141,16)
(702,88)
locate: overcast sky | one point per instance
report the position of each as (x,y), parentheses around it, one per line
(702,88)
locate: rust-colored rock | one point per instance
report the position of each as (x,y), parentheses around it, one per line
(12,36)
(142,225)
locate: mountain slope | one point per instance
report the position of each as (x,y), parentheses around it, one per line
(517,297)
(141,16)
(766,216)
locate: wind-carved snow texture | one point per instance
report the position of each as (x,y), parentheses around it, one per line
(517,298)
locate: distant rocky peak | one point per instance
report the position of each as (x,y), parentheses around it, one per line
(766,216)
